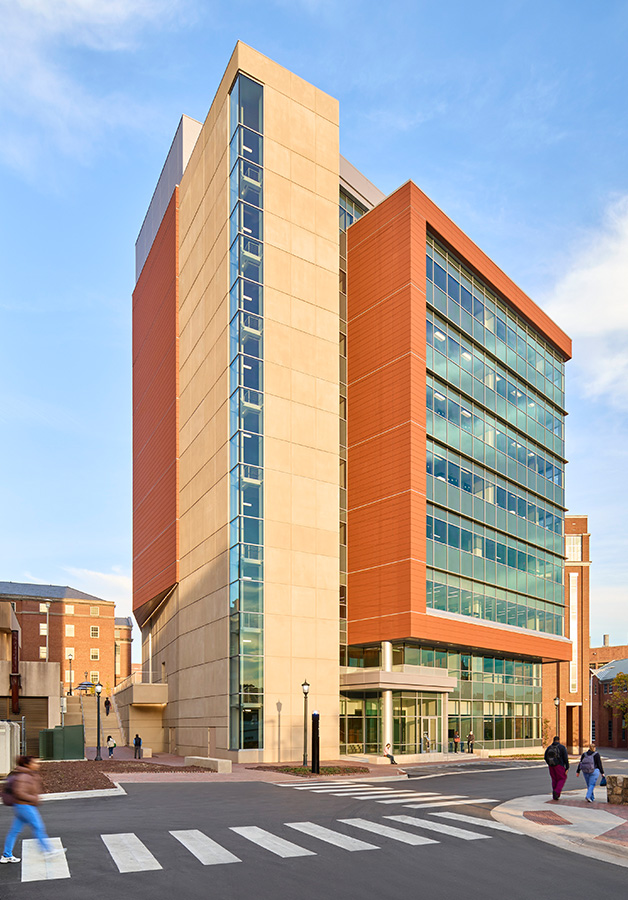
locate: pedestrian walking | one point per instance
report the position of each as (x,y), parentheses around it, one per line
(107,706)
(388,755)
(137,744)
(591,767)
(22,790)
(111,744)
(456,741)
(470,742)
(557,759)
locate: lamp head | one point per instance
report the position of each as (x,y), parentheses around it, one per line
(557,702)
(306,688)
(98,688)
(70,657)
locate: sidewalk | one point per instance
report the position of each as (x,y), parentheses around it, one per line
(598,830)
(240,772)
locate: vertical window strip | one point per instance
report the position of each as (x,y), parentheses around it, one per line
(246,497)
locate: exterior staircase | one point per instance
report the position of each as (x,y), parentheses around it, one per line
(108,724)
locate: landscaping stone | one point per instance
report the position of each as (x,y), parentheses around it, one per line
(617,789)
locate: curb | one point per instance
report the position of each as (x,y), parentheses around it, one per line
(116,791)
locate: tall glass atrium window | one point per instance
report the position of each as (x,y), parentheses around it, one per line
(246,333)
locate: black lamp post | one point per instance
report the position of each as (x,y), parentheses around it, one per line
(98,690)
(70,658)
(306,689)
(557,705)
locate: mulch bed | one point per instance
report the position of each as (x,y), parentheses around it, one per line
(307,773)
(88,775)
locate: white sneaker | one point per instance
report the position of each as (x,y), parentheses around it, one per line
(8,859)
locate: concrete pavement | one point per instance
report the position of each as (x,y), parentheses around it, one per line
(596,830)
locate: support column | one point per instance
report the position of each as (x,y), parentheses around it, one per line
(445,724)
(387,704)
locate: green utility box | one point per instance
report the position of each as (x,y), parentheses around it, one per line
(62,742)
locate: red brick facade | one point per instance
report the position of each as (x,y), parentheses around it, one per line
(608,725)
(78,626)
(570,681)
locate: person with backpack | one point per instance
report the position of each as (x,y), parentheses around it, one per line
(137,744)
(21,791)
(111,745)
(591,767)
(557,759)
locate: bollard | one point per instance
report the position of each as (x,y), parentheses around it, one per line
(316,745)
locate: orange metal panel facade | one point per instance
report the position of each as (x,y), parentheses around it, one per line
(155,416)
(386,496)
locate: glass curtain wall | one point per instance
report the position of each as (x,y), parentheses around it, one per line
(246,500)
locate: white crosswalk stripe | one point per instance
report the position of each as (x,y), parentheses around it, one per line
(403,798)
(442,829)
(330,786)
(271,842)
(385,831)
(468,801)
(362,795)
(38,867)
(204,849)
(474,820)
(129,853)
(331,837)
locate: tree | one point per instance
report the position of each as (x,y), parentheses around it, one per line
(618,700)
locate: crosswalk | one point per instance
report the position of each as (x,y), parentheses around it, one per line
(387,796)
(128,852)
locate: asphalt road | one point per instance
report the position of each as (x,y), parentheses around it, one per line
(501,864)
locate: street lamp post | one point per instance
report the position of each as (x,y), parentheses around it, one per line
(306,689)
(47,627)
(70,658)
(557,705)
(98,690)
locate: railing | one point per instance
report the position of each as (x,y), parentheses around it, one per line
(143,677)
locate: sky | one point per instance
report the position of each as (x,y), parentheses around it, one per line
(510,116)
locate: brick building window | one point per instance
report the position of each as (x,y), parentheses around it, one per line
(43,629)
(593,730)
(94,653)
(69,609)
(42,608)
(69,630)
(42,652)
(94,610)
(94,677)
(67,675)
(610,729)
(69,652)
(94,631)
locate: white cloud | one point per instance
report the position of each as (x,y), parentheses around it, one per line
(43,102)
(113,585)
(590,301)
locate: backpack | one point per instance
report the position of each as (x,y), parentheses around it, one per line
(587,764)
(8,797)
(552,755)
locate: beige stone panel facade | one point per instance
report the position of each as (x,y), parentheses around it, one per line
(190,632)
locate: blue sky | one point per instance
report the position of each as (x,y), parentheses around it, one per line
(511,117)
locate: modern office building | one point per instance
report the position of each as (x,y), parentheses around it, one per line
(348,450)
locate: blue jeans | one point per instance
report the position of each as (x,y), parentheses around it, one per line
(591,780)
(23,814)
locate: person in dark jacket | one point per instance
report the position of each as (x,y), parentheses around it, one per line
(25,785)
(107,706)
(557,759)
(137,744)
(591,767)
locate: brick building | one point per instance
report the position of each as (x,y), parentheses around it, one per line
(81,631)
(569,681)
(600,656)
(608,728)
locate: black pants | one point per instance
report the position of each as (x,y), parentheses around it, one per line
(470,747)
(138,753)
(391,758)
